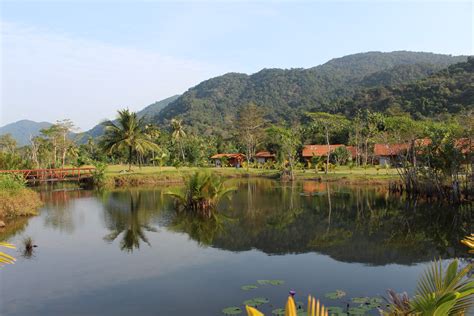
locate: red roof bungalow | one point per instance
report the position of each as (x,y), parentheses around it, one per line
(387,153)
(235,160)
(310,151)
(264,156)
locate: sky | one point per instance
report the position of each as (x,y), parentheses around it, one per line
(84,60)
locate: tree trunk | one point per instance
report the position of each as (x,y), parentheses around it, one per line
(329,151)
(130,155)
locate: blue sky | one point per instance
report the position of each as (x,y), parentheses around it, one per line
(83,60)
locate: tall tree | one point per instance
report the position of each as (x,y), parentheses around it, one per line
(7,143)
(178,135)
(128,133)
(330,124)
(250,126)
(288,141)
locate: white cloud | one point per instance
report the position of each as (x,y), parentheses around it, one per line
(50,76)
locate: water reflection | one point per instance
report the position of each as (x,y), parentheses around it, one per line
(128,215)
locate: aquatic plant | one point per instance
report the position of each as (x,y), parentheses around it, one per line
(28,246)
(202,193)
(438,293)
(5,258)
(469,241)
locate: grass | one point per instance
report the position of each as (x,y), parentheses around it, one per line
(116,175)
(16,199)
(19,202)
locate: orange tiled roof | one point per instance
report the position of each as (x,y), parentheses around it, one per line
(319,150)
(218,156)
(264,154)
(390,149)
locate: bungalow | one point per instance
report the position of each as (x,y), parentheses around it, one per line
(264,156)
(310,151)
(388,153)
(235,160)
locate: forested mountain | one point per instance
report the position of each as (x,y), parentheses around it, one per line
(211,106)
(22,130)
(448,91)
(149,112)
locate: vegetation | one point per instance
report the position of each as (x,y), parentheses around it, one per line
(314,308)
(128,134)
(16,199)
(202,193)
(5,258)
(285,95)
(438,293)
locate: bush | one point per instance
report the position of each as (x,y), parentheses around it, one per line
(19,202)
(11,182)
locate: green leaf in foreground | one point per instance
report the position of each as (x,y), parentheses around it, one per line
(335,295)
(248,287)
(232,310)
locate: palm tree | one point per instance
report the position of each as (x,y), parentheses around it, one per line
(202,193)
(178,134)
(127,132)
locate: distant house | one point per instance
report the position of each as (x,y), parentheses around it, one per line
(235,160)
(387,154)
(264,156)
(310,151)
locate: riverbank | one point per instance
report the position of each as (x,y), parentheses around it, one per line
(118,175)
(18,202)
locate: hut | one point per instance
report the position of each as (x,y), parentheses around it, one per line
(387,154)
(264,156)
(310,151)
(234,160)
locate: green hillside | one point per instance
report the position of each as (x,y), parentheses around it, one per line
(23,130)
(449,91)
(212,105)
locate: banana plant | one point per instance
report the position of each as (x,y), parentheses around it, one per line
(4,258)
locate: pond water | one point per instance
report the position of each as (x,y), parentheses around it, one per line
(126,251)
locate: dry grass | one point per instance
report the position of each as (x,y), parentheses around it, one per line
(20,202)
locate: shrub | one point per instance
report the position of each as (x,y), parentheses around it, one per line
(11,182)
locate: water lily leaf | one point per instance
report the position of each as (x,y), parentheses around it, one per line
(232,310)
(278,311)
(248,287)
(360,300)
(276,282)
(335,295)
(270,282)
(357,311)
(254,302)
(336,311)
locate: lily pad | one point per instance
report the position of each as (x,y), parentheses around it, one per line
(254,302)
(335,295)
(357,311)
(270,282)
(360,300)
(248,287)
(232,310)
(336,311)
(278,311)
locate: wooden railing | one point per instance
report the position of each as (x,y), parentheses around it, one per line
(58,174)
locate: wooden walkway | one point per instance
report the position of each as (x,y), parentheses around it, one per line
(52,175)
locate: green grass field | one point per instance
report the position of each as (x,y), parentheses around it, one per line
(150,174)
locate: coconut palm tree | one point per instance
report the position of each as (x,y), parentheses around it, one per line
(128,132)
(178,134)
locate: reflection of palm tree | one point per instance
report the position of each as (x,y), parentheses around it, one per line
(131,224)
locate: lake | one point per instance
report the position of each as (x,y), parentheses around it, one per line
(126,251)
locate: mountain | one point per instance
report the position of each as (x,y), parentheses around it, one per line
(149,112)
(22,130)
(212,105)
(448,91)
